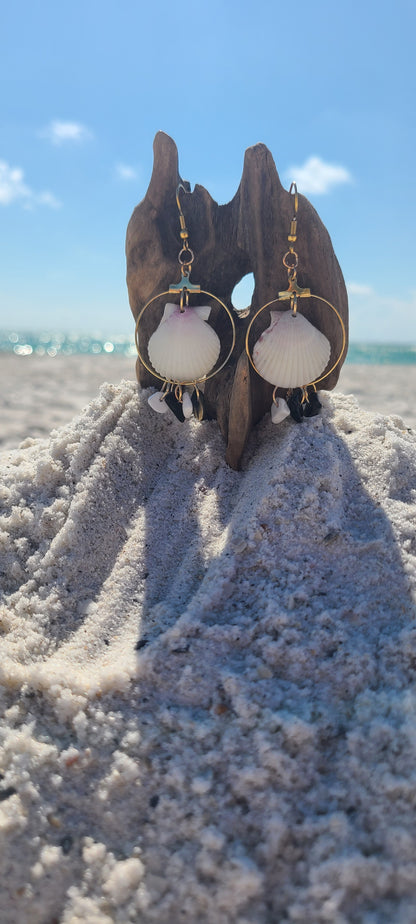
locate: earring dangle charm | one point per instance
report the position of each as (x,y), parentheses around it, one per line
(184,350)
(292,353)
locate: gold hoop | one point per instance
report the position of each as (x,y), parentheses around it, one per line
(335,364)
(203,378)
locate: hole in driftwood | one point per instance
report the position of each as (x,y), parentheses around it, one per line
(243,293)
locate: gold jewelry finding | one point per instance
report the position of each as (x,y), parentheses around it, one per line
(184,350)
(203,378)
(294,309)
(291,355)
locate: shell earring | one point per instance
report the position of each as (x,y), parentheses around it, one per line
(292,353)
(184,350)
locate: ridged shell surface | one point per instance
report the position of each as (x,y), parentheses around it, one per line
(291,352)
(184,347)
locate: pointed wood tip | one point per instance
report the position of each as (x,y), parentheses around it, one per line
(259,157)
(165,174)
(163,139)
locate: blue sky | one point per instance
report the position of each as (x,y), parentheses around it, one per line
(328,87)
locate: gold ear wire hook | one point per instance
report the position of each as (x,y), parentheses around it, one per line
(186,254)
(184,232)
(293,224)
(295,194)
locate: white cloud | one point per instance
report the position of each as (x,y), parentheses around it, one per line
(12,185)
(59,132)
(317,177)
(47,198)
(14,189)
(359,288)
(125,172)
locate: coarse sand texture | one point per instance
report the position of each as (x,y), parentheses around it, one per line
(208,693)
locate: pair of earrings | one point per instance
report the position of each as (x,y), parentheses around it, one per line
(185,351)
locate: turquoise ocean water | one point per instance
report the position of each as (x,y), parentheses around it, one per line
(56,343)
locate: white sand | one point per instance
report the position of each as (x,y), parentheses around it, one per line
(254,760)
(38,393)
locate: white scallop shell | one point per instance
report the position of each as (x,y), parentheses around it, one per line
(279,411)
(291,352)
(183,348)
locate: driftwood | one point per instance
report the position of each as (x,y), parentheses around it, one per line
(248,234)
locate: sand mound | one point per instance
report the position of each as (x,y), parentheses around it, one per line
(207,675)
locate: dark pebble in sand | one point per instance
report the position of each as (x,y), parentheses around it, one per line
(66,843)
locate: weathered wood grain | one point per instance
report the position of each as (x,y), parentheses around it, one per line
(248,234)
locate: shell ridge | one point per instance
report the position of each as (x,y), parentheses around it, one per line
(183,347)
(293,353)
